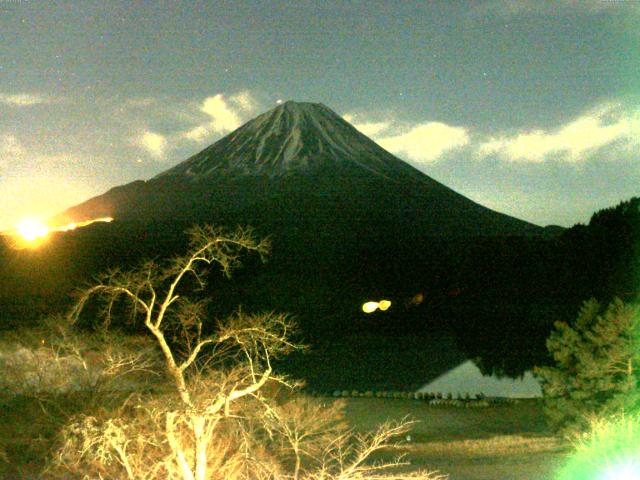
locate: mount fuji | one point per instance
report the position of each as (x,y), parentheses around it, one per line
(300,165)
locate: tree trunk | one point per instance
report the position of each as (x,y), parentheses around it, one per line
(201,441)
(181,459)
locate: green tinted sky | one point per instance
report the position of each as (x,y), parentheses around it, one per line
(528,107)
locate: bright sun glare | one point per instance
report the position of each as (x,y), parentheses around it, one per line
(629,470)
(31,229)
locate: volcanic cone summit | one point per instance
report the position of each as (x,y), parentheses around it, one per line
(291,138)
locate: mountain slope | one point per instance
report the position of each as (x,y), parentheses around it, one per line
(301,162)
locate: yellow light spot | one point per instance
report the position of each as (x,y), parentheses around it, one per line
(370,307)
(31,229)
(384,305)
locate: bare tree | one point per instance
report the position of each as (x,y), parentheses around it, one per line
(219,422)
(155,293)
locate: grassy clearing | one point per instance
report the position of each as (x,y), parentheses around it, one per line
(499,446)
(501,442)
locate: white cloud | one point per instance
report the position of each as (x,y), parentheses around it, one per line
(152,142)
(426,142)
(223,117)
(572,142)
(224,114)
(370,129)
(23,99)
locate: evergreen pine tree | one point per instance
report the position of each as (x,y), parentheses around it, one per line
(597,365)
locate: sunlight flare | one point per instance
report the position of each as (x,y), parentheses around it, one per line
(72,226)
(31,229)
(31,232)
(628,470)
(610,451)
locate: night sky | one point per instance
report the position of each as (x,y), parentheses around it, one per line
(528,107)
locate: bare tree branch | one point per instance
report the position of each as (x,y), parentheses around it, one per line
(217,423)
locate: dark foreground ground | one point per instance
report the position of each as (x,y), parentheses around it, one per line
(500,442)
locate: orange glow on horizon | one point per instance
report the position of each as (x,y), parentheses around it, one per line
(31,232)
(72,226)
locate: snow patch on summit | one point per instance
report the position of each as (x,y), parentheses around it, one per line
(293,137)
